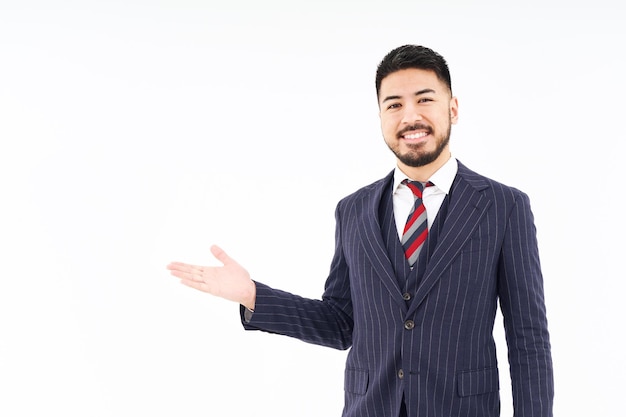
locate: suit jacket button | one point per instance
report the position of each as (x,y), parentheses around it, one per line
(406,296)
(409,324)
(400,374)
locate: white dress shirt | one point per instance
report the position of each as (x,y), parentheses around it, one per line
(433,196)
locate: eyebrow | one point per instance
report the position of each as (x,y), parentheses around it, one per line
(420,92)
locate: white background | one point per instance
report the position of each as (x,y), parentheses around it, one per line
(134,133)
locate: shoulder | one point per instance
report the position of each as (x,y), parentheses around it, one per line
(367,192)
(486,185)
(501,198)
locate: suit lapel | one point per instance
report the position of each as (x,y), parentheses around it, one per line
(467,207)
(372,240)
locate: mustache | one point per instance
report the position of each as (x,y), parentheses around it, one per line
(417,126)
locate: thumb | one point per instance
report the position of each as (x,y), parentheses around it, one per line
(221,255)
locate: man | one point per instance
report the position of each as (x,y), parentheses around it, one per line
(415,299)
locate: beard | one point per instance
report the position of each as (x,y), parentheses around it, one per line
(416,157)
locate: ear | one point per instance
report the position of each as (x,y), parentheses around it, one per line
(454,110)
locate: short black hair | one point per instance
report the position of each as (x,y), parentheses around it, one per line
(413,56)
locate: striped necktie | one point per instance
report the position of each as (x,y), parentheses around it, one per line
(416,228)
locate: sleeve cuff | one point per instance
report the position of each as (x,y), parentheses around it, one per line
(246,314)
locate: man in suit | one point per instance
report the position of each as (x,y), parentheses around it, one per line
(415,300)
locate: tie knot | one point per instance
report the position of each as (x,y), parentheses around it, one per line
(417,187)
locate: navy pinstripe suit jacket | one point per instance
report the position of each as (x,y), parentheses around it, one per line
(437,350)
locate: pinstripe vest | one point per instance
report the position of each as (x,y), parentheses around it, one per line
(408,279)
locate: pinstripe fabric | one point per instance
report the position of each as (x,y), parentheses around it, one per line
(444,363)
(408,278)
(393,246)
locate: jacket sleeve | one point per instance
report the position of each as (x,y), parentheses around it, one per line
(522,303)
(326,321)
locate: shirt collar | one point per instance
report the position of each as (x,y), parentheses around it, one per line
(442,178)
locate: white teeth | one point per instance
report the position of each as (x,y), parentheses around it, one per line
(415,135)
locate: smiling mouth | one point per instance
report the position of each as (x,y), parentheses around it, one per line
(418,135)
(415,132)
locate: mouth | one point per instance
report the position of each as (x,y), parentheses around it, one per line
(415,134)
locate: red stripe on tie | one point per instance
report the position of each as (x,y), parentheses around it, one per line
(418,212)
(416,244)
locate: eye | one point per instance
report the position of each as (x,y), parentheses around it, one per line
(425,100)
(393,106)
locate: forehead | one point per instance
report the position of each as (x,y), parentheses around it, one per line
(409,81)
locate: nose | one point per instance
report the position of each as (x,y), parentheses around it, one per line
(411,114)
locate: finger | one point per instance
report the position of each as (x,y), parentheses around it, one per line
(183,267)
(196,274)
(186,276)
(221,255)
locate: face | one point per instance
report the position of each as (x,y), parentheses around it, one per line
(416,114)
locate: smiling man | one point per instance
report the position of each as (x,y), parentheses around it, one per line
(417,110)
(422,258)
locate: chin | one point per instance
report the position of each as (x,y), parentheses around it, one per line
(418,159)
